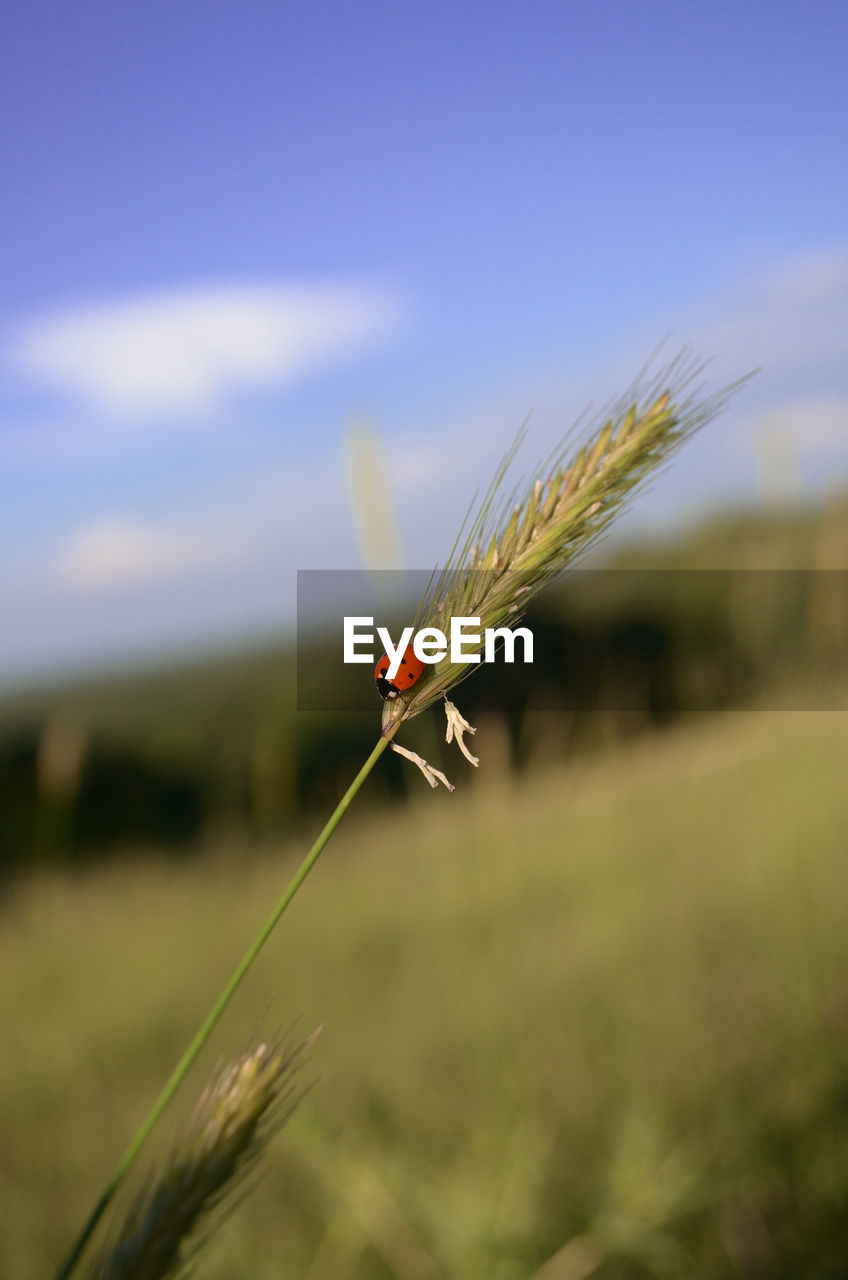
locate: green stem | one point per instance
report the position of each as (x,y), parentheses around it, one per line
(187,1060)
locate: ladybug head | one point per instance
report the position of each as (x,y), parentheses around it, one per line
(385,687)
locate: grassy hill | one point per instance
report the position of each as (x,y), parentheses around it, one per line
(591,1021)
(196,754)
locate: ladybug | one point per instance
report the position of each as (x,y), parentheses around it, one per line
(410,670)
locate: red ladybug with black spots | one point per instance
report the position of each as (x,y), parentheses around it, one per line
(410,670)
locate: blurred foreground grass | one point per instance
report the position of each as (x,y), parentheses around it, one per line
(597,1016)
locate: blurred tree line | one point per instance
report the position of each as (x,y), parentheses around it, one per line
(752,608)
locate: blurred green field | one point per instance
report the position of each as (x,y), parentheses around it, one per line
(596,1017)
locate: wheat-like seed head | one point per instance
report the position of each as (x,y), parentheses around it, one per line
(229,1128)
(511,550)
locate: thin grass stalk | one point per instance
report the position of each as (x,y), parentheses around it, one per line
(208,1025)
(527,544)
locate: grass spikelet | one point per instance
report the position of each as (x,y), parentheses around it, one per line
(526,544)
(206,1171)
(555,521)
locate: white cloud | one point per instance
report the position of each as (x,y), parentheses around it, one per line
(814,424)
(791,319)
(117,553)
(179,351)
(811,278)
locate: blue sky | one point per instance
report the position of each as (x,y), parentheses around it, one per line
(230,231)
